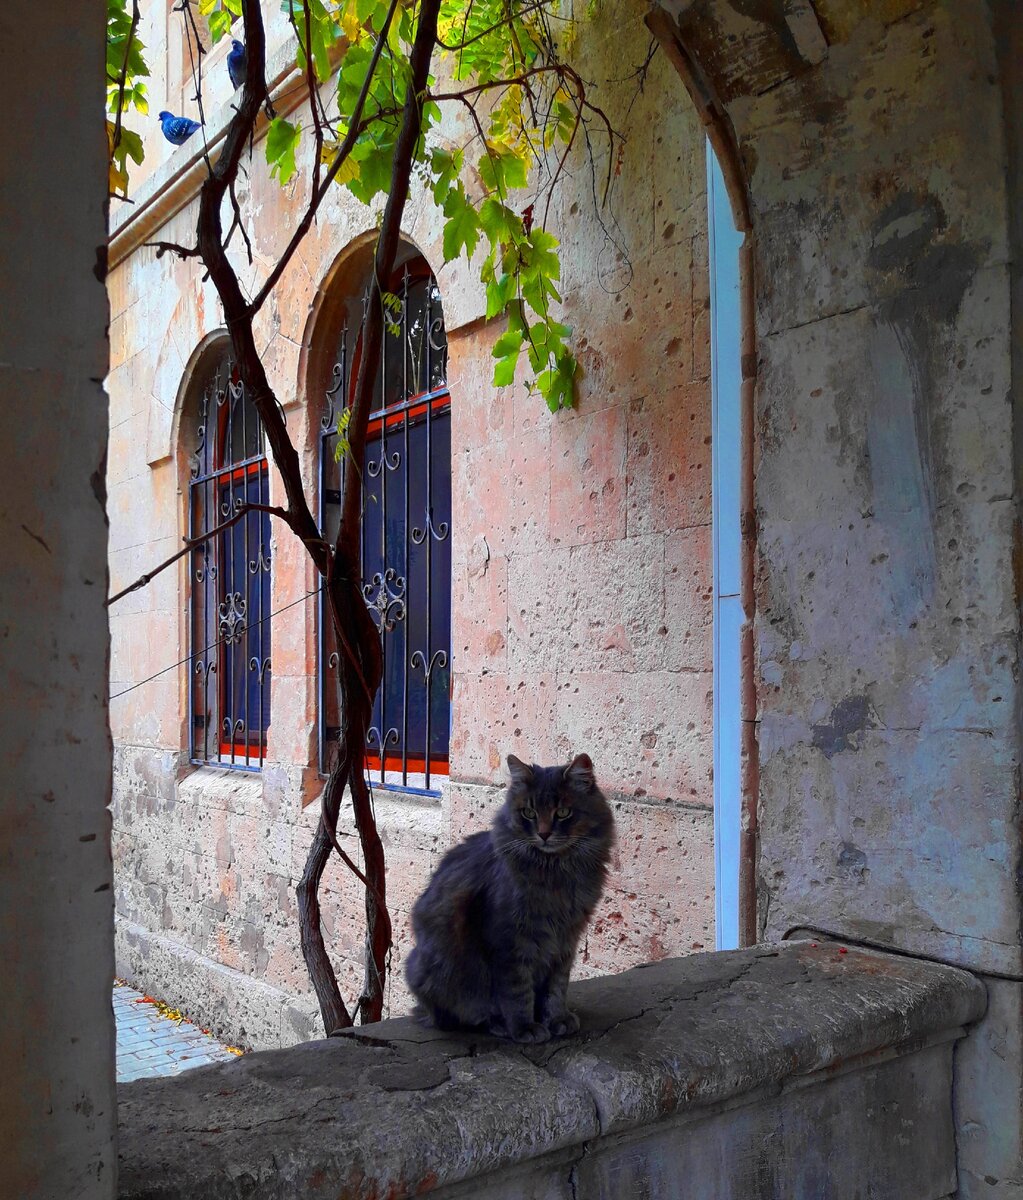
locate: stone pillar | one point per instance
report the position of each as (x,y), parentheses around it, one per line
(880,149)
(57,1103)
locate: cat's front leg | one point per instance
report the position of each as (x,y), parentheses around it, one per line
(516,1007)
(552,1002)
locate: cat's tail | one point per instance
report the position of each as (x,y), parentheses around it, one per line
(432,1016)
(422,1016)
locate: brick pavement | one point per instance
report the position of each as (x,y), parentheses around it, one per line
(149,1043)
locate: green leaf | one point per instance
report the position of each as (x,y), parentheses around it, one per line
(130,145)
(462,227)
(500,223)
(374,170)
(504,370)
(281,143)
(220,23)
(502,169)
(445,166)
(543,258)
(509,341)
(499,293)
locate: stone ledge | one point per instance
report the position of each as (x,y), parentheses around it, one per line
(394,1110)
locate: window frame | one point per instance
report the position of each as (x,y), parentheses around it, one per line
(393,766)
(220,615)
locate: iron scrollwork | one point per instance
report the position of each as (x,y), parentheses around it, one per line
(385,595)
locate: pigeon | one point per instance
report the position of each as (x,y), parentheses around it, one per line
(236,64)
(177,129)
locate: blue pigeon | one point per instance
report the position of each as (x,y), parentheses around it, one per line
(177,129)
(236,64)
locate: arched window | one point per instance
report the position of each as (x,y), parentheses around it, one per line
(229,697)
(406,532)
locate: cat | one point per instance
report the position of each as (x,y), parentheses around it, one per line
(499,923)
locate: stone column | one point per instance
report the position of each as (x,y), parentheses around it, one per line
(880,151)
(57,1102)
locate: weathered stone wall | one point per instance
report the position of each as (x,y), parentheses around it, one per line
(880,144)
(873,144)
(807,1070)
(581,579)
(57,1107)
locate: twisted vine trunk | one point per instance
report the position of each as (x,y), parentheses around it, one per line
(359,660)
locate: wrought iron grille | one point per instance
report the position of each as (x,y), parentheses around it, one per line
(229,699)
(406,537)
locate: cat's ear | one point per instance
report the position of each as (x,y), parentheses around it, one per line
(520,773)
(579,773)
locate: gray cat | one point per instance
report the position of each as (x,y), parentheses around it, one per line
(499,923)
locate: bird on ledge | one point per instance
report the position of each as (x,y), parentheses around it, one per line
(236,64)
(177,129)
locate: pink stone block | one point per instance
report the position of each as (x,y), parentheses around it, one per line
(665,852)
(543,598)
(480,479)
(480,413)
(669,461)
(587,478)
(497,715)
(689,599)
(479,613)
(468,808)
(590,607)
(649,735)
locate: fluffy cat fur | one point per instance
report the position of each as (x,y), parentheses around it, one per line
(499,923)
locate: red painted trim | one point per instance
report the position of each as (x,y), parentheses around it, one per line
(255,750)
(417,766)
(390,419)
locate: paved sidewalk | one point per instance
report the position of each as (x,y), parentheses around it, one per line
(149,1043)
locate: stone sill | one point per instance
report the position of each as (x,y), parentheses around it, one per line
(393,1110)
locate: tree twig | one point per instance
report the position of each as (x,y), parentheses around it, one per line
(191,543)
(182,252)
(355,128)
(122,78)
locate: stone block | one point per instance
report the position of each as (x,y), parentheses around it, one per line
(469,808)
(925,871)
(493,716)
(669,461)
(688,600)
(650,734)
(235,1008)
(594,607)
(989,1098)
(480,413)
(587,470)
(293,732)
(479,612)
(871,230)
(638,337)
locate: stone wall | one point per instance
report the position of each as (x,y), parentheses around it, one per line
(879,145)
(809,1070)
(581,586)
(57,1108)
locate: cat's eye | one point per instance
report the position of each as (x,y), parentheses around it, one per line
(563,813)
(529,814)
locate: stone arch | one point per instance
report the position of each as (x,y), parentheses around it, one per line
(193,378)
(348,269)
(872,147)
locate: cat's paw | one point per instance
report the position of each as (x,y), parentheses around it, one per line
(533,1032)
(565,1025)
